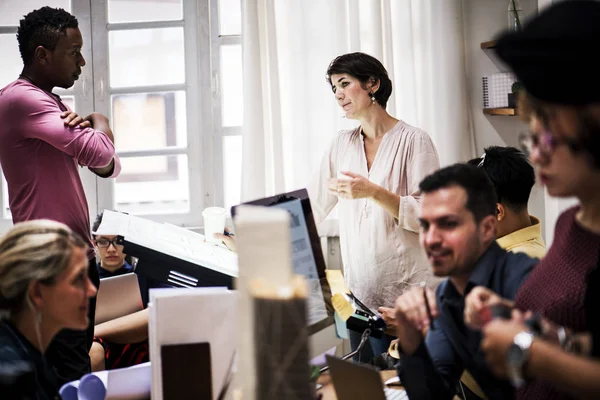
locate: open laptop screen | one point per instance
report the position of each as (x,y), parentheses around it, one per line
(307,254)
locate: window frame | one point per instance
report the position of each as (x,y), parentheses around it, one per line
(216,41)
(197,110)
(5,223)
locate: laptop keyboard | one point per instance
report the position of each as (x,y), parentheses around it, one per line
(395,394)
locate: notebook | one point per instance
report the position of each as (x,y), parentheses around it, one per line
(355,381)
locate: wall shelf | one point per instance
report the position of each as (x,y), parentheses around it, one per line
(488,45)
(504,111)
(500,111)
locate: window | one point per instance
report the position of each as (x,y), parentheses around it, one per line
(144,83)
(172,90)
(11,67)
(226,53)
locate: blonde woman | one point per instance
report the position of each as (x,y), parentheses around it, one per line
(44,288)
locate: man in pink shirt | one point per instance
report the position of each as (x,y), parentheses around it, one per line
(43,145)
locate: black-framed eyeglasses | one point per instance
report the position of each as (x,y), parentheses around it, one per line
(104,243)
(546,143)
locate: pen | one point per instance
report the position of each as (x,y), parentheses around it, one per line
(227,233)
(423,285)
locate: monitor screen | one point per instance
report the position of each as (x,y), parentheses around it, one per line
(307,254)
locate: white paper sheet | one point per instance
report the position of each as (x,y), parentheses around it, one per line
(111,223)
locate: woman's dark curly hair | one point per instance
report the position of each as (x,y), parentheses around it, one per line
(43,27)
(364,68)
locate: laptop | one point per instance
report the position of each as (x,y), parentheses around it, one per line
(355,381)
(118,296)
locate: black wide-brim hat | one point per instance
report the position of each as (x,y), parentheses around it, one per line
(556,54)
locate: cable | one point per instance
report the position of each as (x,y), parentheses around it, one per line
(363,340)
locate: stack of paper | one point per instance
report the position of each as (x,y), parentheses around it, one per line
(125,383)
(196,315)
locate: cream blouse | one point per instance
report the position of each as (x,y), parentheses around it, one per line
(381,255)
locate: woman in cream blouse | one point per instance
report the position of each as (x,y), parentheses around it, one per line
(372,173)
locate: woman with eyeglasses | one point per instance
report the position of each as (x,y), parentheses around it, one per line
(553,57)
(44,288)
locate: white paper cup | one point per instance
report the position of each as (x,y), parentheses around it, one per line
(214,222)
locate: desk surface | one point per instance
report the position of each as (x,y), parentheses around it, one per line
(328,390)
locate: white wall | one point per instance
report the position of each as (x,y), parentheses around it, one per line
(484,19)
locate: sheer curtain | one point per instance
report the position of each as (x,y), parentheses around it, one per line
(290,115)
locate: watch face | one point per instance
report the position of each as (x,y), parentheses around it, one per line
(514,356)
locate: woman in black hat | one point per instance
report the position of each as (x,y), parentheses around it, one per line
(554,57)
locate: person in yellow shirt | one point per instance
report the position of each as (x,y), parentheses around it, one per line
(513,177)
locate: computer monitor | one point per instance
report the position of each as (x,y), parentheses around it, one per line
(307,254)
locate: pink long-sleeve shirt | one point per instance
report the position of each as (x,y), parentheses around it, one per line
(40,156)
(381,254)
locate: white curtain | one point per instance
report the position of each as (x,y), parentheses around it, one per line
(290,115)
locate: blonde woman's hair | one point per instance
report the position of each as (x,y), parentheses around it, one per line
(33,251)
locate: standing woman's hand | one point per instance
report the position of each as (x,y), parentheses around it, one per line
(354,187)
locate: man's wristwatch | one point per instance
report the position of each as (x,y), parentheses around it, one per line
(517,356)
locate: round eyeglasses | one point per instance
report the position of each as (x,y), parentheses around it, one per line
(546,143)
